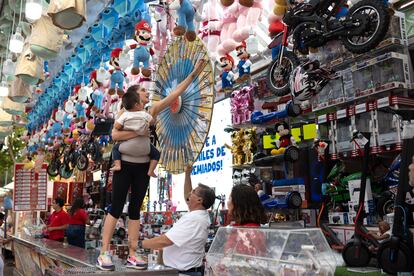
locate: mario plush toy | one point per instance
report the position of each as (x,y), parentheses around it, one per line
(117,75)
(285,139)
(227,76)
(142,50)
(244,63)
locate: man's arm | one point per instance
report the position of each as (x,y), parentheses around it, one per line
(62,227)
(157,243)
(188,187)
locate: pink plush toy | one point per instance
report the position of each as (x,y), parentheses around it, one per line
(247,20)
(228,27)
(239,19)
(165,24)
(235,106)
(210,28)
(246,101)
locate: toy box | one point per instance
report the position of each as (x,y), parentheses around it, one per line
(338,218)
(343,132)
(354,188)
(387,124)
(268,251)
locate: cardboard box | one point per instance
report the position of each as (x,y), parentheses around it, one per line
(338,218)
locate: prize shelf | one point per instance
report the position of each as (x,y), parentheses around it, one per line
(387,45)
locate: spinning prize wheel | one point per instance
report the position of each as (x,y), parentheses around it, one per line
(182,129)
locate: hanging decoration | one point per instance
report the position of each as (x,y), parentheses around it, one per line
(182,129)
(33,10)
(46,39)
(20,91)
(29,67)
(67,14)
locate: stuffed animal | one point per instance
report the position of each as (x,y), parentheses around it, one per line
(210,30)
(185,25)
(285,139)
(246,103)
(237,147)
(80,107)
(67,119)
(234,108)
(98,94)
(165,24)
(244,63)
(249,144)
(142,50)
(247,14)
(117,75)
(227,76)
(228,27)
(279,8)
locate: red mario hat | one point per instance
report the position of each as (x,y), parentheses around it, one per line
(76,88)
(92,76)
(228,57)
(243,44)
(115,52)
(143,25)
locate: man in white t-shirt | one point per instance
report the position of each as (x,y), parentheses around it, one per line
(184,243)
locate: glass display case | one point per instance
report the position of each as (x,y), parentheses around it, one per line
(266,251)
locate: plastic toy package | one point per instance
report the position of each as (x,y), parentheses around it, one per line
(249,251)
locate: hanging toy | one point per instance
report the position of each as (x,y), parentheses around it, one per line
(98,93)
(117,75)
(227,76)
(79,107)
(210,30)
(142,50)
(244,63)
(186,13)
(285,140)
(67,119)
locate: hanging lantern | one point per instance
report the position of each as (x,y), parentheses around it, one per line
(102,75)
(124,60)
(20,91)
(46,39)
(33,10)
(4,89)
(5,118)
(252,44)
(67,14)
(11,107)
(16,42)
(9,67)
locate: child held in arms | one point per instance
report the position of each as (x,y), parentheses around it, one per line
(134,118)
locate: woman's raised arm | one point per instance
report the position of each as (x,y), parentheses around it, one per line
(161,105)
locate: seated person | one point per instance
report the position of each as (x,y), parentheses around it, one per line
(137,119)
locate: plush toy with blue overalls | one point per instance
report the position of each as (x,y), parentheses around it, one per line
(142,49)
(117,75)
(227,76)
(185,25)
(244,63)
(98,94)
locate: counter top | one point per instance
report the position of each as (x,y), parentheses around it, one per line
(69,254)
(82,260)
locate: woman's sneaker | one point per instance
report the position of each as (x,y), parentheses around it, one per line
(104,262)
(137,262)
